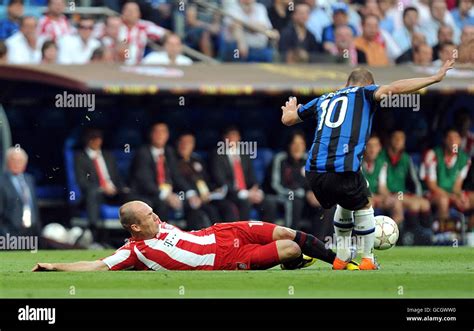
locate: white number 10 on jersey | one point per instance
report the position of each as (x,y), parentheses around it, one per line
(328,106)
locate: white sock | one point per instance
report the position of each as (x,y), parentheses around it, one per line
(364,230)
(343,224)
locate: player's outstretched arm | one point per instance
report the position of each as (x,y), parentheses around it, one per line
(413,84)
(75,266)
(290,112)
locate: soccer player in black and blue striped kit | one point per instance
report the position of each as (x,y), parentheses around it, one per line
(344,121)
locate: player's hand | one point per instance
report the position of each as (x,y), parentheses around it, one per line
(291,105)
(43,267)
(448,65)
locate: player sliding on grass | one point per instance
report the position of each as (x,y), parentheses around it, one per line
(156,245)
(344,120)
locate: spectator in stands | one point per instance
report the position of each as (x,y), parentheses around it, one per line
(345,51)
(379,8)
(19,213)
(289,183)
(423,55)
(383,36)
(247,33)
(403,35)
(339,18)
(102,55)
(203,28)
(280,14)
(77,48)
(109,36)
(387,22)
(193,170)
(136,32)
(445,53)
(49,52)
(439,14)
(24,47)
(172,54)
(297,44)
(11,24)
(318,19)
(373,166)
(445,35)
(156,181)
(98,178)
(400,178)
(233,169)
(444,169)
(3,53)
(417,39)
(463,14)
(54,24)
(370,43)
(463,122)
(467,34)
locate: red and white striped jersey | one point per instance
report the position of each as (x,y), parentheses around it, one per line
(171,249)
(137,38)
(54,28)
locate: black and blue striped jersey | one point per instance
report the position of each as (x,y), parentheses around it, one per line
(344,121)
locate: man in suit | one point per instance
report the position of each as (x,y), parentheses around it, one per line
(234,170)
(155,180)
(193,170)
(19,213)
(97,176)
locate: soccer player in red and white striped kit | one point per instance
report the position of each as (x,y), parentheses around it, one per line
(156,245)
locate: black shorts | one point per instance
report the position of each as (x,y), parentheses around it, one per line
(347,189)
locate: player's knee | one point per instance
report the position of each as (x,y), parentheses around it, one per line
(289,249)
(293,249)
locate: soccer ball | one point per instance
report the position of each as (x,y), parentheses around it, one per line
(386,232)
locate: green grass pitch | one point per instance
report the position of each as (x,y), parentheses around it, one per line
(407,272)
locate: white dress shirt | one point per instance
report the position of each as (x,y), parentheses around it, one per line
(20,52)
(162,58)
(73,50)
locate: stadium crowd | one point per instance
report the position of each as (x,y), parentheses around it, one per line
(373,32)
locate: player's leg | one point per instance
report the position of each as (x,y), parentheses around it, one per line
(343,226)
(259,257)
(358,198)
(309,244)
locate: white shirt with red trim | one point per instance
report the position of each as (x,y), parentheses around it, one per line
(170,249)
(54,28)
(137,37)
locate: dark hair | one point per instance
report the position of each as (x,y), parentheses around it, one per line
(229,129)
(91,133)
(86,18)
(360,76)
(3,49)
(47,44)
(186,132)
(15,2)
(408,9)
(98,53)
(293,135)
(154,124)
(450,129)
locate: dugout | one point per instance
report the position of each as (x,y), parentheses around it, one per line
(202,98)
